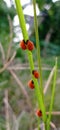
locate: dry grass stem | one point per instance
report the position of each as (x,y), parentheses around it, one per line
(8,63)
(6,110)
(12,116)
(42,126)
(2,52)
(55,113)
(49,80)
(21,87)
(23,67)
(11,37)
(53,125)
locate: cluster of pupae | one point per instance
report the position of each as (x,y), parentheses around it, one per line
(30,46)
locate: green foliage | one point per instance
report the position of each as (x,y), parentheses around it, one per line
(4,10)
(4,22)
(48,1)
(2,123)
(51,20)
(40,3)
(55,8)
(51,48)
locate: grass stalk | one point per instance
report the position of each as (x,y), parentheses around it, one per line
(21,19)
(30,58)
(52,96)
(38,52)
(37,45)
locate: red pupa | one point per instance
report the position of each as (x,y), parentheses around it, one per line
(39,113)
(30,45)
(35,73)
(31,84)
(23,45)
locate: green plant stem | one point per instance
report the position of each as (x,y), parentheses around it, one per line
(38,123)
(52,96)
(38,52)
(37,45)
(21,19)
(30,58)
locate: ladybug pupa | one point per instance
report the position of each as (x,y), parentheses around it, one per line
(31,84)
(35,73)
(23,45)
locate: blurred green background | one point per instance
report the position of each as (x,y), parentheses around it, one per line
(48,16)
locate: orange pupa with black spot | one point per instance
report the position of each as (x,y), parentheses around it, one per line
(23,45)
(39,113)
(35,73)
(31,84)
(30,45)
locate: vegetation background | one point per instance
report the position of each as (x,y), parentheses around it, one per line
(16,99)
